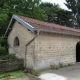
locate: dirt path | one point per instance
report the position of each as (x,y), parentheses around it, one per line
(16,78)
(26,77)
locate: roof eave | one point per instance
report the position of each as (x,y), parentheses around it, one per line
(40,30)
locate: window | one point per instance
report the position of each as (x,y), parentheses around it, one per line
(16,42)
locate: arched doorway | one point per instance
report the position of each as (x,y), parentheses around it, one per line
(78,52)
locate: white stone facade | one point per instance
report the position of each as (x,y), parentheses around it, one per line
(47,48)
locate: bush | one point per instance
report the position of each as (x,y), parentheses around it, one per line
(7,57)
(3,51)
(61,65)
(3,41)
(54,67)
(3,46)
(70,64)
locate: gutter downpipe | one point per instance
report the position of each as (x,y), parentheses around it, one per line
(38,31)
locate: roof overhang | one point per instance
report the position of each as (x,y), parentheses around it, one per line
(54,32)
(32,29)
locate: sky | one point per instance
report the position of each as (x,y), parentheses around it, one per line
(60,2)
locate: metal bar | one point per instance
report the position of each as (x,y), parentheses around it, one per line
(8,26)
(27,25)
(17,52)
(38,31)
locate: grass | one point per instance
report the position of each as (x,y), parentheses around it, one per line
(61,65)
(53,67)
(70,64)
(15,73)
(2,76)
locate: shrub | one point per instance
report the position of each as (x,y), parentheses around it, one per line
(61,65)
(3,41)
(3,46)
(54,67)
(7,57)
(2,51)
(70,64)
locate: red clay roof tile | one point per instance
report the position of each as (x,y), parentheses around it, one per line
(50,26)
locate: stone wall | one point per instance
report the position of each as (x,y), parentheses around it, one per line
(54,49)
(11,65)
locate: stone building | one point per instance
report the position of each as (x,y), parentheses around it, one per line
(42,44)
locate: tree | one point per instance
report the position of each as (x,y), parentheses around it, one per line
(64,18)
(3,46)
(28,8)
(4,19)
(50,10)
(74,6)
(56,15)
(32,10)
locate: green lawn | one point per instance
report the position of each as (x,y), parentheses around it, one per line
(15,73)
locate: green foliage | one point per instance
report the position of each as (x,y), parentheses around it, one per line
(54,67)
(2,51)
(28,8)
(70,64)
(61,65)
(14,73)
(7,57)
(2,76)
(56,15)
(3,41)
(3,22)
(3,46)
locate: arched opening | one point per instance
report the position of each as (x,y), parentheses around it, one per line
(78,52)
(16,42)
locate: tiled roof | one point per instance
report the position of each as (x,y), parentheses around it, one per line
(46,26)
(34,25)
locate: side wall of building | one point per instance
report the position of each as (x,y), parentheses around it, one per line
(54,49)
(24,36)
(47,49)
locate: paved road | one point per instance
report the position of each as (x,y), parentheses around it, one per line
(71,72)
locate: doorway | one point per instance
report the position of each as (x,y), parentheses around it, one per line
(78,52)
